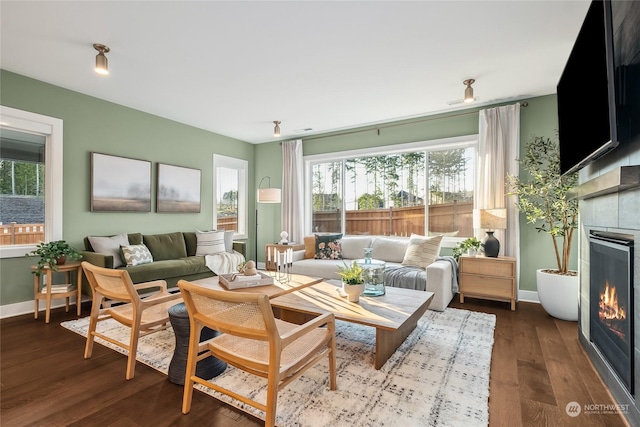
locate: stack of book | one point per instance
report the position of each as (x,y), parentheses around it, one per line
(59,289)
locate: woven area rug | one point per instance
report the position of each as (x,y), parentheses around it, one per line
(438,377)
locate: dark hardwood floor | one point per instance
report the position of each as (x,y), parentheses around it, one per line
(538,367)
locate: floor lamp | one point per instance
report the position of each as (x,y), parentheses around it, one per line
(265,195)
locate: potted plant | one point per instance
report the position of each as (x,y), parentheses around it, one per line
(352,280)
(469,245)
(53,254)
(542,197)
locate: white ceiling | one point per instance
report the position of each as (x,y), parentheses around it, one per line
(232,67)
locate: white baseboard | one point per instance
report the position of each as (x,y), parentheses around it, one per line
(528,296)
(26,307)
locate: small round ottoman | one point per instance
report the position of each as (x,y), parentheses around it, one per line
(206,368)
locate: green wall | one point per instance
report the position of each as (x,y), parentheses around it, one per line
(91,124)
(539,118)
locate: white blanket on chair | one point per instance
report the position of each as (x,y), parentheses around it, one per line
(224,262)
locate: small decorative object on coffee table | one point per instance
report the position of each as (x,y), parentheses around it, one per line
(273,251)
(246,277)
(373,275)
(250,269)
(352,280)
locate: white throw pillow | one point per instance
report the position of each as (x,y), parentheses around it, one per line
(422,251)
(228,240)
(110,246)
(210,242)
(136,255)
(353,246)
(389,249)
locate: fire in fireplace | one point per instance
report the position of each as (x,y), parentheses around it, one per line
(611,313)
(611,301)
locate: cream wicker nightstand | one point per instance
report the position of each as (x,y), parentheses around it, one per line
(488,278)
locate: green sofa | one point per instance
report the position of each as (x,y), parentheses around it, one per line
(174,256)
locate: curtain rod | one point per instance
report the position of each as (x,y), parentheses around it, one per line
(390,125)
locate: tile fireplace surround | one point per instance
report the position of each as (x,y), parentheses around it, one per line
(609,194)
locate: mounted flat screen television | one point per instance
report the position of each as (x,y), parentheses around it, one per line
(586,93)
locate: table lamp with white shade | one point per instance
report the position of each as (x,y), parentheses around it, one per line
(490,220)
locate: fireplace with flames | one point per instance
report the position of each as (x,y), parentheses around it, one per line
(611,301)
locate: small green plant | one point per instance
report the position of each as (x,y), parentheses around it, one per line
(242,266)
(351,275)
(50,254)
(465,245)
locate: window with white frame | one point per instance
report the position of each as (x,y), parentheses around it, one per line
(30,180)
(230,194)
(423,188)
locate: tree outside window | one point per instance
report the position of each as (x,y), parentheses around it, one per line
(395,194)
(22,188)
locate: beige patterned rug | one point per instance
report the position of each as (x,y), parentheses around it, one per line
(438,377)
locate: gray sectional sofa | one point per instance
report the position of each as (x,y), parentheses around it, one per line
(440,277)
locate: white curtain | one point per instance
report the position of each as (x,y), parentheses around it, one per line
(498,150)
(292,214)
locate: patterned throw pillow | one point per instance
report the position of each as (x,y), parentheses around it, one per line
(210,242)
(136,254)
(328,246)
(422,250)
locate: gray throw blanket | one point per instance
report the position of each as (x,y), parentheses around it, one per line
(409,277)
(454,271)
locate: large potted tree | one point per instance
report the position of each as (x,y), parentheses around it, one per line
(542,197)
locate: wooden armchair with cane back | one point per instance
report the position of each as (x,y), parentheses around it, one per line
(253,340)
(142,315)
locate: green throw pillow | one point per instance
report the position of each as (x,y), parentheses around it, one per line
(166,246)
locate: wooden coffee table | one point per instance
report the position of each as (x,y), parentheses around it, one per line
(297,282)
(393,315)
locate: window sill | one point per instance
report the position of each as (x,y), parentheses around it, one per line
(15,251)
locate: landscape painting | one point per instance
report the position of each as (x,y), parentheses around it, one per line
(178,189)
(120,184)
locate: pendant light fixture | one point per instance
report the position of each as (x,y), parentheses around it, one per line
(276,129)
(468,92)
(102,64)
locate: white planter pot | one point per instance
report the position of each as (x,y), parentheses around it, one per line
(559,294)
(353,291)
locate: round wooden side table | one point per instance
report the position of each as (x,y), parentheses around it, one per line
(45,291)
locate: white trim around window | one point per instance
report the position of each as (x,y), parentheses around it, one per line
(431,145)
(51,129)
(242,166)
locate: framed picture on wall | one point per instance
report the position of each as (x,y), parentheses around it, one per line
(178,189)
(120,184)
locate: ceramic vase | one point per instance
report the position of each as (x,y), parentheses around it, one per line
(353,291)
(559,294)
